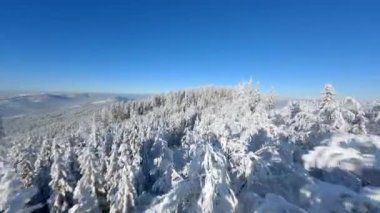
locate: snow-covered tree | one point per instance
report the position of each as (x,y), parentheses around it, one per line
(328,97)
(163,167)
(330,113)
(294,108)
(61,183)
(112,174)
(99,143)
(85,193)
(41,173)
(124,199)
(250,94)
(14,196)
(121,191)
(270,100)
(355,116)
(25,169)
(216,194)
(375,113)
(328,104)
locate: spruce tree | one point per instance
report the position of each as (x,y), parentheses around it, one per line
(328,104)
(62,188)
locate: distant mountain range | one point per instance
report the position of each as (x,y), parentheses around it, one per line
(18,104)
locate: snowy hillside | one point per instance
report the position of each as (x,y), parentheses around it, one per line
(212,149)
(14,105)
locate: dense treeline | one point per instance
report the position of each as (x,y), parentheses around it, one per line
(203,150)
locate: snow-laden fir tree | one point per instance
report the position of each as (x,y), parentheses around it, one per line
(216,194)
(355,116)
(119,167)
(100,143)
(113,174)
(61,183)
(375,113)
(250,95)
(121,191)
(330,112)
(41,176)
(328,96)
(85,193)
(328,104)
(163,168)
(294,108)
(270,100)
(101,140)
(123,201)
(24,168)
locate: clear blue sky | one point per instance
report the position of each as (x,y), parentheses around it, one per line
(155,46)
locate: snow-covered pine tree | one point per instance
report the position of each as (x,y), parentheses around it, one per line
(254,96)
(294,108)
(61,184)
(113,175)
(123,201)
(328,96)
(101,148)
(355,116)
(41,177)
(270,101)
(71,160)
(330,113)
(216,194)
(249,94)
(105,116)
(86,190)
(163,169)
(24,168)
(114,166)
(375,113)
(328,104)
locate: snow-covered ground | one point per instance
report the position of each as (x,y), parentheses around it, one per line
(211,149)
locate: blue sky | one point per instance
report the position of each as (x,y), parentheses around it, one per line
(155,46)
